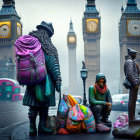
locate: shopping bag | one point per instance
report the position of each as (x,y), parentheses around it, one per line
(89,120)
(122,121)
(76,114)
(74,126)
(61,116)
(63,108)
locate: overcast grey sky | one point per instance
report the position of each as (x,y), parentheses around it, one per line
(59,13)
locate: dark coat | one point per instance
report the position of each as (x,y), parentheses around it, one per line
(131,71)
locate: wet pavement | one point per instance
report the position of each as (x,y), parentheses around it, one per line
(14,125)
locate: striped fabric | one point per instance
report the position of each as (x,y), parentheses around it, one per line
(90,124)
(89,120)
(131,71)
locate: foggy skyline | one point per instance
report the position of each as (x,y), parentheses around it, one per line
(59,12)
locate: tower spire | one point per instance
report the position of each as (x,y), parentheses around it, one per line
(122,9)
(71,26)
(7,3)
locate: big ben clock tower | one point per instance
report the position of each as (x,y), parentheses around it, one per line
(91,37)
(71,42)
(10,30)
(129,35)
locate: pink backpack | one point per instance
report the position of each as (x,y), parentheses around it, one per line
(30,60)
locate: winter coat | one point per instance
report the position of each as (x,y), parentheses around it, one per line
(99,98)
(131,71)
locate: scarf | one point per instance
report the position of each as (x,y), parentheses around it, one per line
(104,90)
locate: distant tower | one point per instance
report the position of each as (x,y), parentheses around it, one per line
(129,35)
(91,37)
(71,42)
(10,30)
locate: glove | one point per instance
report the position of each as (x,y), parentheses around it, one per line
(58,88)
(108,104)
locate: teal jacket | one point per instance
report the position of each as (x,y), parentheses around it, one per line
(99,98)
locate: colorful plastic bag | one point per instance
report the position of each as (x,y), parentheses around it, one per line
(63,131)
(122,121)
(90,125)
(84,110)
(63,108)
(72,100)
(73,126)
(89,120)
(75,113)
(65,97)
(62,114)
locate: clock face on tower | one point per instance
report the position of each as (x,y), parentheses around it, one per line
(5,29)
(92,25)
(133,27)
(18,29)
(71,39)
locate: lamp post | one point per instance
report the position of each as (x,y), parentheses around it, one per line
(84,76)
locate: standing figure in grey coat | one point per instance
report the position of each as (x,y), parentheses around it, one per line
(132,73)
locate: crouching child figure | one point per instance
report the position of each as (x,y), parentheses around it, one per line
(100,101)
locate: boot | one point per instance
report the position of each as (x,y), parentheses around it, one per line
(43,113)
(105,115)
(32,130)
(32,118)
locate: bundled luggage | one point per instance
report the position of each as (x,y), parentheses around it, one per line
(89,120)
(65,97)
(74,126)
(122,121)
(63,108)
(73,117)
(76,114)
(62,114)
(72,100)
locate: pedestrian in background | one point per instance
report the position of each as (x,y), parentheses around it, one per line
(131,71)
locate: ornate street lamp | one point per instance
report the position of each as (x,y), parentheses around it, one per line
(84,75)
